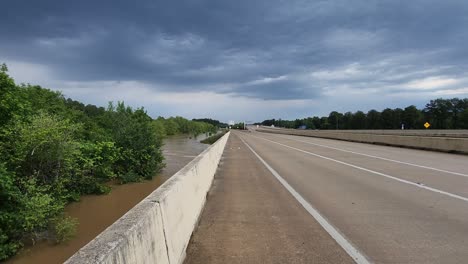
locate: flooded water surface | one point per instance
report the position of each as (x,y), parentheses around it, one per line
(96,212)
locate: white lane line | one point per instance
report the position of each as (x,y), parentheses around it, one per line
(377,157)
(357,256)
(374,172)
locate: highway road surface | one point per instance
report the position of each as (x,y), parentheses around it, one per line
(380,204)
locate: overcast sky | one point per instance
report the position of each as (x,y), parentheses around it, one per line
(241,59)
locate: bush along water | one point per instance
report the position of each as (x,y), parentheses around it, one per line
(212,139)
(53,150)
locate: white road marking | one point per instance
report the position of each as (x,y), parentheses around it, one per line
(357,256)
(374,172)
(377,157)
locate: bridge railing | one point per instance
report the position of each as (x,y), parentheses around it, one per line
(450,141)
(158,229)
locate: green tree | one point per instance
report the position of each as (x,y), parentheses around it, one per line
(309,123)
(171,127)
(12,103)
(397,118)
(53,149)
(316,122)
(335,120)
(347,120)
(46,100)
(457,106)
(95,166)
(358,120)
(10,229)
(437,112)
(132,132)
(324,124)
(412,117)
(387,118)
(441,113)
(463,122)
(373,119)
(44,147)
(238,126)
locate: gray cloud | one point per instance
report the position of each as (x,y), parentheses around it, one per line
(265,49)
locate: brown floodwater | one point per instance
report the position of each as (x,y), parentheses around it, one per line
(96,212)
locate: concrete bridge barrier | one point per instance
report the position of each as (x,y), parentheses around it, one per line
(158,229)
(455,141)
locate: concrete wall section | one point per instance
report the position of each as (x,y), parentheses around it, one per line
(182,199)
(437,143)
(135,238)
(158,229)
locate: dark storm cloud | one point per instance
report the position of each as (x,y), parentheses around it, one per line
(275,49)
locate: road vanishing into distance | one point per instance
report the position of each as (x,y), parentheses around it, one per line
(381,204)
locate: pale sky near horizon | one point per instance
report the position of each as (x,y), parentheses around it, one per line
(241,60)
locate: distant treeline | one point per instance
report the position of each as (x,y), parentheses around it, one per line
(211,121)
(238,126)
(440,113)
(53,150)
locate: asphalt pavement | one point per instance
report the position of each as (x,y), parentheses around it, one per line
(372,203)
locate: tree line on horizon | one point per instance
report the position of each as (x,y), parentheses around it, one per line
(439,113)
(216,123)
(54,150)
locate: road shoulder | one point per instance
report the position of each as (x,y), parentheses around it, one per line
(250,218)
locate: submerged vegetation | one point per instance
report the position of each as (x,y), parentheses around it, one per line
(53,150)
(211,121)
(212,139)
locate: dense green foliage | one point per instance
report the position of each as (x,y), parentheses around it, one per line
(238,126)
(211,121)
(440,113)
(52,150)
(212,139)
(180,125)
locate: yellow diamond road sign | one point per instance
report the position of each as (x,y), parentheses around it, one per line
(427,125)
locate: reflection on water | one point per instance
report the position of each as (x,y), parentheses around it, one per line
(96,212)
